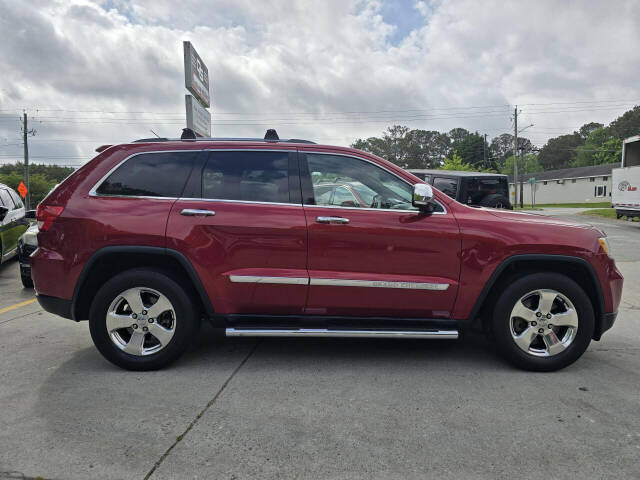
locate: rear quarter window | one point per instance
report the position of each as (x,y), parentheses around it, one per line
(150,175)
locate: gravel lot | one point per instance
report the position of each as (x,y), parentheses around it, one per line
(317,408)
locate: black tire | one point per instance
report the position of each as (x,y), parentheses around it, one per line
(186,319)
(501,322)
(27,281)
(495,200)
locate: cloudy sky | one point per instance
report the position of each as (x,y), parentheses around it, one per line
(94,72)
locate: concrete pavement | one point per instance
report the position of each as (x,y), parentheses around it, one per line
(316,408)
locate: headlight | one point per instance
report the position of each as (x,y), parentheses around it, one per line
(30,237)
(604,243)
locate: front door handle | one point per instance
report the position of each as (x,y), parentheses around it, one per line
(194,212)
(332,220)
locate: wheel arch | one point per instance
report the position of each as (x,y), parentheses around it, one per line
(109,261)
(576,268)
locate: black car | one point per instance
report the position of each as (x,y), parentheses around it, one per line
(471,188)
(12,222)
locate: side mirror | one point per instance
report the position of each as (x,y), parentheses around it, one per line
(3,212)
(422,196)
(30,214)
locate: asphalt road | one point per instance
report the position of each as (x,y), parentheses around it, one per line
(317,408)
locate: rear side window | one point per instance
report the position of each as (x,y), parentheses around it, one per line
(446,185)
(5,199)
(150,175)
(16,199)
(248,176)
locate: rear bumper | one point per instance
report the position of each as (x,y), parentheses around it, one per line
(55,305)
(606,322)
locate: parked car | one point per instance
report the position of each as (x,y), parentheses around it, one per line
(12,222)
(472,188)
(27,244)
(150,237)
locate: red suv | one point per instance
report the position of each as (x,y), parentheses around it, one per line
(149,238)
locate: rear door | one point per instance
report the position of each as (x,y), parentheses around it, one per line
(382,259)
(13,225)
(242,226)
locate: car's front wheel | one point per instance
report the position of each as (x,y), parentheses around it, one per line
(142,320)
(543,322)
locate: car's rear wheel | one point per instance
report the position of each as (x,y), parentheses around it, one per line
(142,320)
(543,322)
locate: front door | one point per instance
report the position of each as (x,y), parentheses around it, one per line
(242,226)
(383,258)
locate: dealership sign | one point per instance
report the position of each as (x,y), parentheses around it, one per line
(198,117)
(196,75)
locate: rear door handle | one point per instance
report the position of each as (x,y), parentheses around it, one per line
(194,212)
(332,220)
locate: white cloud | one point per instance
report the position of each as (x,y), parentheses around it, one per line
(269,62)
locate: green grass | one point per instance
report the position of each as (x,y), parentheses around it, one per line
(604,212)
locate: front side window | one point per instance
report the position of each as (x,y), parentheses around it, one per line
(356,183)
(251,176)
(150,175)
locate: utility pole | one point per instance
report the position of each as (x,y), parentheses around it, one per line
(25,133)
(515,155)
(522,179)
(484,151)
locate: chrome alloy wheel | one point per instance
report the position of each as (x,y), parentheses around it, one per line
(543,323)
(141,321)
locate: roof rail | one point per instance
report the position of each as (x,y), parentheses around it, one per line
(223,139)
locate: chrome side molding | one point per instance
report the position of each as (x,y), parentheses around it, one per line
(450,334)
(275,280)
(340,282)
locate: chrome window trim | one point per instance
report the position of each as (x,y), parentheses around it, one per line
(270,280)
(222,200)
(339,282)
(444,209)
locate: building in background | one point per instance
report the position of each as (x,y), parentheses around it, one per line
(568,185)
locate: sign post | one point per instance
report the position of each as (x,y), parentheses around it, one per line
(532,185)
(196,80)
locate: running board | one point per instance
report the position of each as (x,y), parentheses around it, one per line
(324,332)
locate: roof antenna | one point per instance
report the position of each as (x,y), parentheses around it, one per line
(154,133)
(271,134)
(187,134)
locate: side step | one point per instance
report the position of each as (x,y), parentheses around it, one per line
(324,332)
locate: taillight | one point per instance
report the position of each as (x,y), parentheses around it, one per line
(46,215)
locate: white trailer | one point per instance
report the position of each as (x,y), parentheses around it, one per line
(625,184)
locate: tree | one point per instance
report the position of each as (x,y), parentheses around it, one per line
(408,148)
(502,147)
(626,125)
(472,150)
(42,178)
(588,128)
(530,165)
(560,151)
(456,163)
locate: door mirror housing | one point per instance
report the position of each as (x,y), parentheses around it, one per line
(3,212)
(30,214)
(422,196)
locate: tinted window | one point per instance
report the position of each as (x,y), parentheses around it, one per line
(356,183)
(16,199)
(5,199)
(248,176)
(446,185)
(150,175)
